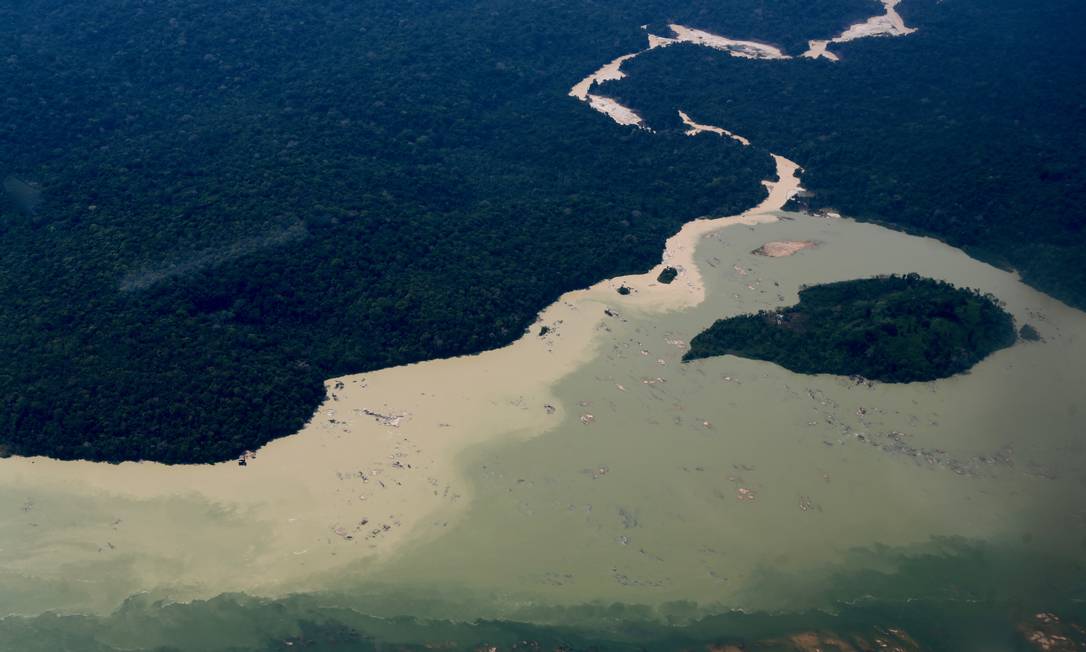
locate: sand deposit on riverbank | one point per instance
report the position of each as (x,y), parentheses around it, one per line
(375,468)
(741,49)
(888,24)
(695,128)
(688,288)
(781,249)
(623,115)
(377,463)
(612,70)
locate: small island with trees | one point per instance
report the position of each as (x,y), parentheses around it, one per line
(894,329)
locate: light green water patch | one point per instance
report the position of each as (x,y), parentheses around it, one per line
(734,483)
(950,508)
(966,605)
(93,556)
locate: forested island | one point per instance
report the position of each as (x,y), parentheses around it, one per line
(894,329)
(970,129)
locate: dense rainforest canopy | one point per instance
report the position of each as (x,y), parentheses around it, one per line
(210,208)
(971,129)
(896,329)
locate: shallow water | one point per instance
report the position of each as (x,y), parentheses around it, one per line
(698,481)
(695,489)
(588,488)
(373,471)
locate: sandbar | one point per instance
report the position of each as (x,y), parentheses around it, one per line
(783,248)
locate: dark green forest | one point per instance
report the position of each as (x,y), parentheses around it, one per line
(210,208)
(895,329)
(972,129)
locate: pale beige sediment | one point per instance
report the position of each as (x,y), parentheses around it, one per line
(688,288)
(695,128)
(612,70)
(608,72)
(817,49)
(888,24)
(783,248)
(659,41)
(623,115)
(736,48)
(349,487)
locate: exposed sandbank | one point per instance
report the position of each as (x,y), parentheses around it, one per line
(378,460)
(888,24)
(608,72)
(623,115)
(695,129)
(782,249)
(741,49)
(612,70)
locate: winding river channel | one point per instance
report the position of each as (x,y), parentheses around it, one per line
(585,464)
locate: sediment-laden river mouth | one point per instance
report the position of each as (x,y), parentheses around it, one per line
(735,482)
(630,479)
(583,488)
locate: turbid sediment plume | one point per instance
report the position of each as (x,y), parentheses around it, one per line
(377,462)
(377,466)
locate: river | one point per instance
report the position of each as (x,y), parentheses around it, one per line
(584,476)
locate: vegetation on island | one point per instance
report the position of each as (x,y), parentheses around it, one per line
(894,329)
(208,208)
(971,129)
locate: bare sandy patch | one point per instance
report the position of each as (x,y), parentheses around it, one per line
(621,114)
(781,249)
(688,288)
(612,70)
(818,49)
(736,48)
(888,24)
(695,128)
(608,72)
(376,467)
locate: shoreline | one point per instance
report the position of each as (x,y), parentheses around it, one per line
(375,468)
(377,465)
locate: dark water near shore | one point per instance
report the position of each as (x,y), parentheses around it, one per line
(950,595)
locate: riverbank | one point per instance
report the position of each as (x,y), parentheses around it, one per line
(375,467)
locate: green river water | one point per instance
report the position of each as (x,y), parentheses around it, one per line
(714,501)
